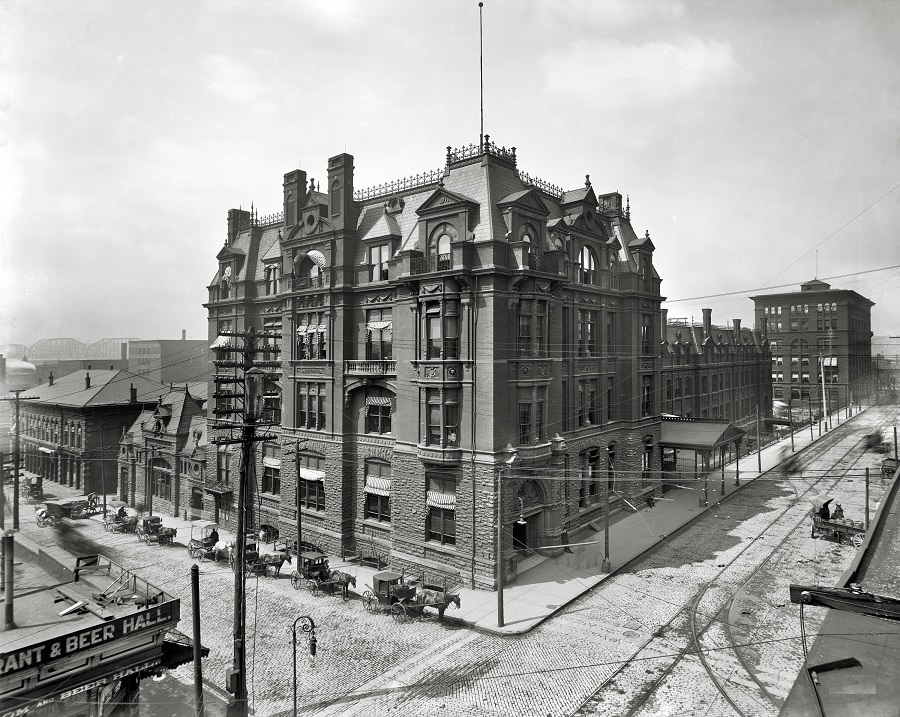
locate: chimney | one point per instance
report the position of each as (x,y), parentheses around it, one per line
(51,378)
(737,330)
(707,323)
(133,394)
(111,367)
(184,334)
(87,380)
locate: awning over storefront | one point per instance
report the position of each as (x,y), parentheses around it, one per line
(44,449)
(178,649)
(699,435)
(219,489)
(378,486)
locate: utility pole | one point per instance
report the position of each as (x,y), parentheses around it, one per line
(16,458)
(248,388)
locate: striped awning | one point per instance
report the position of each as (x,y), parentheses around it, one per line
(378,486)
(434,499)
(378,325)
(310,474)
(378,400)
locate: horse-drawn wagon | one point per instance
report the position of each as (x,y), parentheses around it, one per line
(151,530)
(328,581)
(840,529)
(405,600)
(311,564)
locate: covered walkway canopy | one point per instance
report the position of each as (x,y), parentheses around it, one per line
(696,435)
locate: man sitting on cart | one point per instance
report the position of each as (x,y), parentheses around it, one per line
(212,538)
(121,513)
(838,513)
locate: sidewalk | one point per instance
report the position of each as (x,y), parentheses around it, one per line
(539,592)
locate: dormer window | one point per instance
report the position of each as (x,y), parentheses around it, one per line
(588,266)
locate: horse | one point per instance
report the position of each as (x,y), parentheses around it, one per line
(275,560)
(439,600)
(345,580)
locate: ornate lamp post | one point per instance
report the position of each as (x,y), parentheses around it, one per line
(511,455)
(307,626)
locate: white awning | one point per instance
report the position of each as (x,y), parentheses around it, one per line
(310,474)
(378,400)
(378,325)
(318,329)
(434,499)
(378,486)
(270,462)
(221,342)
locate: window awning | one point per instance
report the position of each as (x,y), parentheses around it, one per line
(379,325)
(310,474)
(219,490)
(221,342)
(270,462)
(699,435)
(378,400)
(378,486)
(434,499)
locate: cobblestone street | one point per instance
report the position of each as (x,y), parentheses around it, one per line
(615,635)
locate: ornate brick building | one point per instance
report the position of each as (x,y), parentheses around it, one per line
(428,324)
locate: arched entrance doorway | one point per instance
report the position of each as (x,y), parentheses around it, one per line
(528,528)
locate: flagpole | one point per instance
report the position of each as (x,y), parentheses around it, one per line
(481,75)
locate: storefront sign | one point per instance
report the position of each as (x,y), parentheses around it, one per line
(71,692)
(155,618)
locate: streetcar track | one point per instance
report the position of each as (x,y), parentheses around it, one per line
(692,607)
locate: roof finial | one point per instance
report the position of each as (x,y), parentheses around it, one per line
(646,233)
(627,206)
(587,180)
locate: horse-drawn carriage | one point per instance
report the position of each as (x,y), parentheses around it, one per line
(329,581)
(48,515)
(151,530)
(405,600)
(31,490)
(311,564)
(120,521)
(204,543)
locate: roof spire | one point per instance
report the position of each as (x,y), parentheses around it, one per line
(587,181)
(627,206)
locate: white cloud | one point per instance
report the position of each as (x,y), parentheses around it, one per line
(229,79)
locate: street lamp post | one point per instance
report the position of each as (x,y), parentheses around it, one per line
(307,626)
(511,455)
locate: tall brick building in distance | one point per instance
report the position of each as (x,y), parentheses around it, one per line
(429,326)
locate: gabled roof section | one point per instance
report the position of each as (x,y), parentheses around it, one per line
(643,242)
(528,198)
(582,195)
(442,199)
(228,252)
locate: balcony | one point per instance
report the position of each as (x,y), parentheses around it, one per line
(302,283)
(430,264)
(370,368)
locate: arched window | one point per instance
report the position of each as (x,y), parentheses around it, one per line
(336,197)
(588,266)
(439,247)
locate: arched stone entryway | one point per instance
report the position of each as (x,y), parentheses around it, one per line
(529,525)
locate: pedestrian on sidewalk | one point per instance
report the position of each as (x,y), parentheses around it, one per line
(564,539)
(651,501)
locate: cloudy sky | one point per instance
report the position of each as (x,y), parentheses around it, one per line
(759,142)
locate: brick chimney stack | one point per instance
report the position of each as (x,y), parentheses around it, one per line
(737,330)
(132,394)
(51,378)
(87,380)
(707,323)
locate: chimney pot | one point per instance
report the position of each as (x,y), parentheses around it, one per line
(87,380)
(51,378)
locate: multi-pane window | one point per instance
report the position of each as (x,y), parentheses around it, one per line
(379,334)
(379,256)
(646,395)
(442,330)
(588,266)
(310,481)
(312,334)
(442,417)
(311,405)
(646,333)
(440,501)
(378,491)
(271,275)
(439,248)
(531,414)
(378,411)
(646,460)
(161,479)
(588,337)
(532,328)
(223,464)
(271,478)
